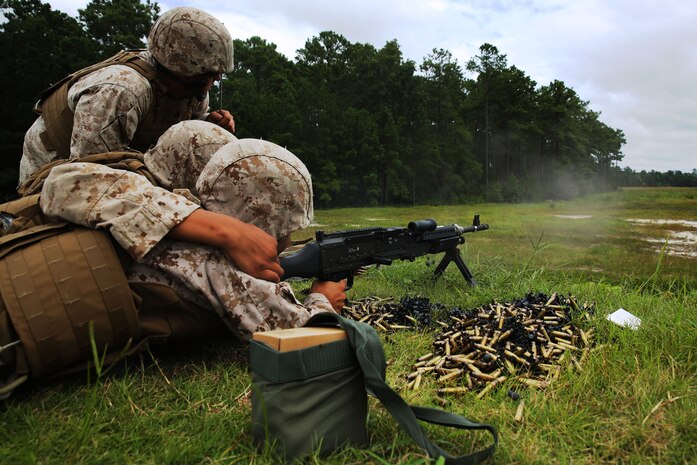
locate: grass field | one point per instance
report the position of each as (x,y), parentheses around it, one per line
(634,402)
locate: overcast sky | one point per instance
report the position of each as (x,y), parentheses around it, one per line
(634,60)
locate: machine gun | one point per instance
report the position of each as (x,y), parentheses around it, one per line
(338,255)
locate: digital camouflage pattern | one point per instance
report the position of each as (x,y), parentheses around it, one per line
(115,109)
(183,151)
(123,202)
(136,213)
(191,42)
(205,276)
(258,182)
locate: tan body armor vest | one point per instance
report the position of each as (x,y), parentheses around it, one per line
(63,287)
(53,102)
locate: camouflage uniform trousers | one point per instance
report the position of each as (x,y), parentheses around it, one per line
(115,108)
(206,277)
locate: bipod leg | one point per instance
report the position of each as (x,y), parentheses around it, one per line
(454,255)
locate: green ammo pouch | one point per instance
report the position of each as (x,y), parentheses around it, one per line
(314,399)
(309,398)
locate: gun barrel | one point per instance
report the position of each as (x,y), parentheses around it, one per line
(479,227)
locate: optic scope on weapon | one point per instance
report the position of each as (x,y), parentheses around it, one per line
(338,255)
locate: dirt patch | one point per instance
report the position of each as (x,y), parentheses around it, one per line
(678,243)
(574,217)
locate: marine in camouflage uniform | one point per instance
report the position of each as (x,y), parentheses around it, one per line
(254,181)
(116,108)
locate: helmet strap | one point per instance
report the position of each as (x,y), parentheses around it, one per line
(196,88)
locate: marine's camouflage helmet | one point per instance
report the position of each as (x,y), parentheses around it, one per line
(260,183)
(183,151)
(190,42)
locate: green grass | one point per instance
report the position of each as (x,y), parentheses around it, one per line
(188,404)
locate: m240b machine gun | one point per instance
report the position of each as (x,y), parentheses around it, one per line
(338,255)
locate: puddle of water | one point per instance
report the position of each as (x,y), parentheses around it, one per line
(680,243)
(574,217)
(689,224)
(377,219)
(317,225)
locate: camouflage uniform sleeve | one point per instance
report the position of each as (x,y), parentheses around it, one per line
(136,213)
(107,106)
(205,276)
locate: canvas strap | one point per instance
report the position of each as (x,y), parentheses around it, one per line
(366,345)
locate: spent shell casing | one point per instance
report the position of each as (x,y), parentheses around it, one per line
(511,356)
(567,346)
(450,375)
(485,348)
(417,382)
(509,366)
(452,390)
(584,337)
(484,376)
(491,385)
(519,412)
(532,382)
(561,335)
(505,335)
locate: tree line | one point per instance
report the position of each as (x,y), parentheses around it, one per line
(373,127)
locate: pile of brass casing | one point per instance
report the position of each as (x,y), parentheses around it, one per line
(526,341)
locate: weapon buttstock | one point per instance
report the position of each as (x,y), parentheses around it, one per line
(303,264)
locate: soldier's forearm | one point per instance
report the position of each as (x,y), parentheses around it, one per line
(250,248)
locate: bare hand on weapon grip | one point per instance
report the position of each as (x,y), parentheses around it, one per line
(333,291)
